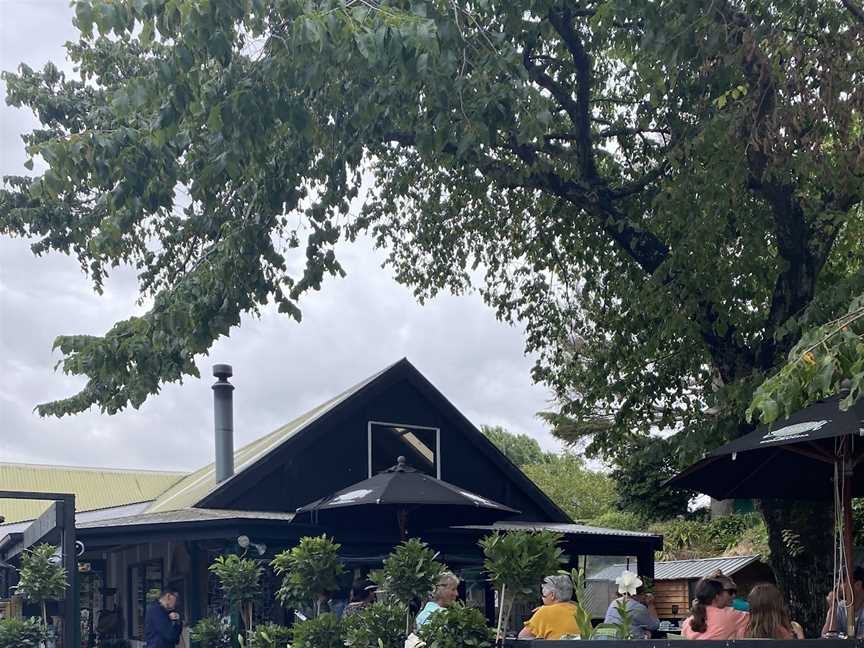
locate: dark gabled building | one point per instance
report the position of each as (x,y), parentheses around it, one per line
(171,539)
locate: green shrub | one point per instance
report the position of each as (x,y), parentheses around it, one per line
(324,631)
(456,627)
(240,580)
(381,625)
(269,635)
(624,520)
(41,578)
(311,568)
(412,570)
(212,632)
(18,633)
(701,538)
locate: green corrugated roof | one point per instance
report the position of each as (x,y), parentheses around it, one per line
(94,488)
(195,487)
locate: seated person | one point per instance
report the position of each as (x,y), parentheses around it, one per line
(769,618)
(362,596)
(443,596)
(836,619)
(738,602)
(556,616)
(711,616)
(640,608)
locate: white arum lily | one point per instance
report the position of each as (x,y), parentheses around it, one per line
(628,582)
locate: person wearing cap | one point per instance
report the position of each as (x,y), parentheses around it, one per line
(711,616)
(557,615)
(729,596)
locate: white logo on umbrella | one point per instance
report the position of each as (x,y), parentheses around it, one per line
(794,431)
(477,498)
(350,496)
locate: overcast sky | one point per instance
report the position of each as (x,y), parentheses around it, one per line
(351,329)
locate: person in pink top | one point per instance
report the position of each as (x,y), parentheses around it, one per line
(711,617)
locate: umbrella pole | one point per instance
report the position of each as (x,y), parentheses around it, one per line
(848,543)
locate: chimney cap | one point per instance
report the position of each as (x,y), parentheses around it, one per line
(222,371)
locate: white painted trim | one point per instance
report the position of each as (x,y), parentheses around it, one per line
(410,427)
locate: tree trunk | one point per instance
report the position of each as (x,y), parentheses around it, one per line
(803,559)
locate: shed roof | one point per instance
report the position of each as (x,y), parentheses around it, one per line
(565,528)
(682,569)
(94,488)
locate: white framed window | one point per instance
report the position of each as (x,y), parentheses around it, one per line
(419,444)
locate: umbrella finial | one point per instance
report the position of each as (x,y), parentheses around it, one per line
(400,462)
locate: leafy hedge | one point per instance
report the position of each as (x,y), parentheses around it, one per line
(18,633)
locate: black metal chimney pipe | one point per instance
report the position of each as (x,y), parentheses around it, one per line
(223,420)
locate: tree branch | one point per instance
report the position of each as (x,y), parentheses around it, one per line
(854,9)
(563,24)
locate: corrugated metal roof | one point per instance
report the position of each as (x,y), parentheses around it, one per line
(193,488)
(561,527)
(682,569)
(84,516)
(94,488)
(185,515)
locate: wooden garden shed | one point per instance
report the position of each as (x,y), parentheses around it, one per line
(675,581)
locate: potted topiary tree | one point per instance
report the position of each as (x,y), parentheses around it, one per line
(42,577)
(309,570)
(517,562)
(240,580)
(412,570)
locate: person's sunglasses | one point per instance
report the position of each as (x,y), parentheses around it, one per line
(732,591)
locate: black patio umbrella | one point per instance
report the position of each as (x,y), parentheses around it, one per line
(794,458)
(404,497)
(815,454)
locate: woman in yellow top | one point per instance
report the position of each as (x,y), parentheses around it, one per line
(556,616)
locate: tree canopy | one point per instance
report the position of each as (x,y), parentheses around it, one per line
(667,195)
(521,449)
(658,192)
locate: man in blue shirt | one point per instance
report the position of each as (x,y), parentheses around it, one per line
(162,625)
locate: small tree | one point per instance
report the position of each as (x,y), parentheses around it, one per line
(412,570)
(517,562)
(240,580)
(42,578)
(309,570)
(377,626)
(455,627)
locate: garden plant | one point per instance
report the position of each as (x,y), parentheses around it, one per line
(411,571)
(309,571)
(42,577)
(457,627)
(381,625)
(516,563)
(240,581)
